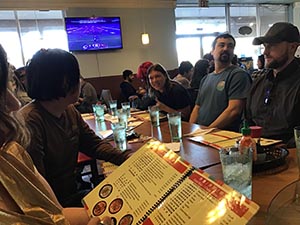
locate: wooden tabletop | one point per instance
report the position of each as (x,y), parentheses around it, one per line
(199,155)
(266,186)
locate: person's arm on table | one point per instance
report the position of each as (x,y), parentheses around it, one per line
(93,146)
(233,110)
(184,111)
(194,114)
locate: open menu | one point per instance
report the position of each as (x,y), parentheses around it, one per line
(224,139)
(155,186)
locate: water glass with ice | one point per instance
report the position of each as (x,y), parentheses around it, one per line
(237,169)
(126,107)
(99,112)
(119,133)
(154,115)
(297,142)
(174,120)
(122,117)
(113,107)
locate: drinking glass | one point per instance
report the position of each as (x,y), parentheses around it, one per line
(174,121)
(297,142)
(119,133)
(113,107)
(285,206)
(122,116)
(154,115)
(237,169)
(98,112)
(126,107)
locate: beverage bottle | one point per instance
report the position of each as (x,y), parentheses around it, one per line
(247,142)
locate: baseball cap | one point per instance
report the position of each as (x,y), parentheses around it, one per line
(279,32)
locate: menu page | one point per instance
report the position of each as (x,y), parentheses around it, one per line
(224,139)
(135,186)
(215,137)
(199,200)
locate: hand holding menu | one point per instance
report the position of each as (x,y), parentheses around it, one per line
(155,186)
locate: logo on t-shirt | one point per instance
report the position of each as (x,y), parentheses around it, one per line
(221,85)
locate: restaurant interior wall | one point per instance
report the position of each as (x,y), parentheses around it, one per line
(135,51)
(159,23)
(161,28)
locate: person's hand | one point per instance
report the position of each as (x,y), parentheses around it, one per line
(80,100)
(104,221)
(132,97)
(141,91)
(161,106)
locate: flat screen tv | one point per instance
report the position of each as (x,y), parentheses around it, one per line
(93,33)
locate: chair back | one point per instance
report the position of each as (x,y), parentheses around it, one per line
(106,96)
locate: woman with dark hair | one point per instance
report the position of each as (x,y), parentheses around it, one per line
(170,96)
(25,197)
(59,132)
(201,69)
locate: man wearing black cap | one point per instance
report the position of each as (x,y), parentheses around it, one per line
(274,101)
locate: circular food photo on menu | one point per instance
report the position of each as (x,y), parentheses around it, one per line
(105,191)
(99,208)
(126,220)
(115,206)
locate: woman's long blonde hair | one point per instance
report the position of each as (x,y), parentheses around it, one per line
(11,128)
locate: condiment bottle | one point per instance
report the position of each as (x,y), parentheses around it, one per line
(247,142)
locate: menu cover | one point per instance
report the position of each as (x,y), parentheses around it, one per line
(155,186)
(224,139)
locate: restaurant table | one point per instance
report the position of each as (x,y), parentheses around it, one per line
(200,156)
(266,185)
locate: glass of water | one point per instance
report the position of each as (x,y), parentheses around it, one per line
(237,169)
(99,112)
(297,142)
(154,115)
(113,107)
(126,107)
(119,132)
(174,120)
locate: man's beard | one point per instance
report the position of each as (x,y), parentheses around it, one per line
(275,64)
(225,57)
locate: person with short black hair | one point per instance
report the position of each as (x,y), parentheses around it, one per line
(274,100)
(25,196)
(57,128)
(185,70)
(260,67)
(128,92)
(222,93)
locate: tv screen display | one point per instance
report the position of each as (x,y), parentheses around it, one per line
(93,33)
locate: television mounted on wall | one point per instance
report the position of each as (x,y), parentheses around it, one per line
(93,33)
